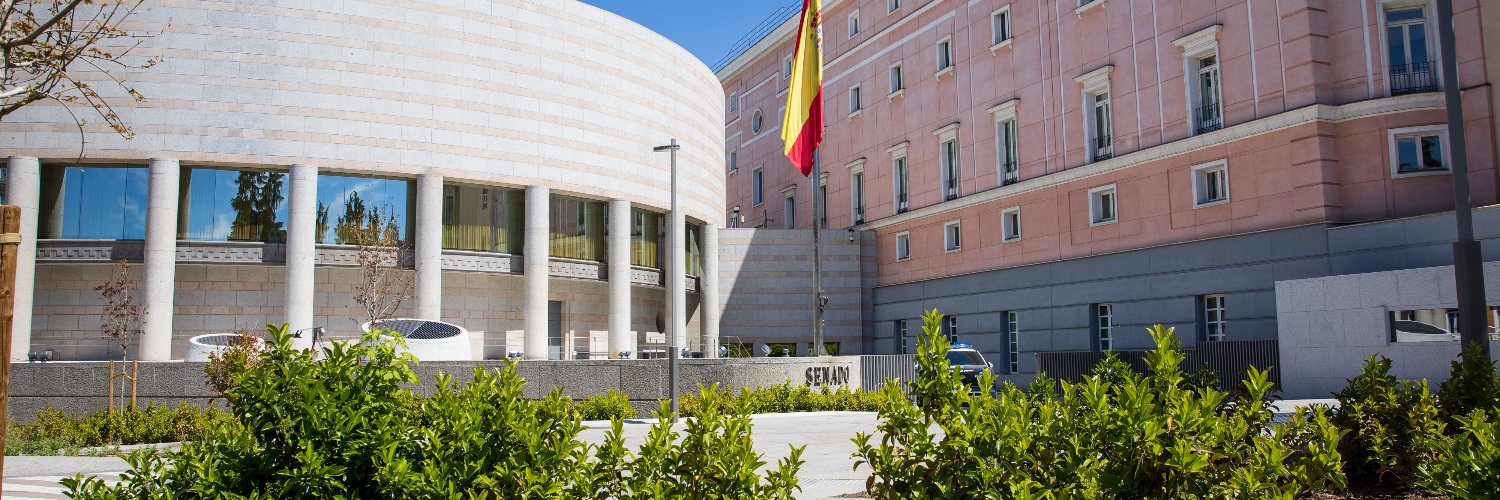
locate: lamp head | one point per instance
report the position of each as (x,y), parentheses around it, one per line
(669,147)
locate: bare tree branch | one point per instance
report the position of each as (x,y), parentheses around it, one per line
(42,28)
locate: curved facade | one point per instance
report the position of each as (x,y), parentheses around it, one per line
(488,131)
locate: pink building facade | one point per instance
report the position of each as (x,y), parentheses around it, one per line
(990,135)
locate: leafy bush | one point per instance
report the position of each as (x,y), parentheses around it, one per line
(1144,436)
(1465,464)
(243,352)
(349,426)
(53,432)
(781,398)
(1471,385)
(608,406)
(1392,425)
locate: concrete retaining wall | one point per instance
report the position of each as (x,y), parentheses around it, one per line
(80,387)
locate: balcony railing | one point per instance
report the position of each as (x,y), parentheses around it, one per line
(901,204)
(1010,174)
(1413,78)
(859,215)
(951,193)
(1209,118)
(1104,148)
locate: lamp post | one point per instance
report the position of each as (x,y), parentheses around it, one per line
(1468,268)
(673,278)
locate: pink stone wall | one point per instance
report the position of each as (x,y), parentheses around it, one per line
(1333,166)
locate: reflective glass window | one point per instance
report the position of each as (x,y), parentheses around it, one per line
(233,205)
(94,203)
(645,239)
(483,219)
(347,204)
(577,228)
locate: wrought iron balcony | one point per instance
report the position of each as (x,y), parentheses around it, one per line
(1209,118)
(1011,174)
(1413,78)
(1104,148)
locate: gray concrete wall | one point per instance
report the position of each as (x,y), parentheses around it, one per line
(1162,285)
(80,387)
(766,287)
(1330,326)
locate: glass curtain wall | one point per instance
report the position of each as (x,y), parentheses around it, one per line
(348,205)
(483,219)
(694,249)
(646,238)
(577,228)
(96,202)
(232,205)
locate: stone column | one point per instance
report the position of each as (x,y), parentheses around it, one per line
(534,262)
(23,187)
(161,260)
(677,278)
(301,249)
(620,338)
(708,292)
(429,243)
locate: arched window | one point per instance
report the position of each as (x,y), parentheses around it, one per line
(756,122)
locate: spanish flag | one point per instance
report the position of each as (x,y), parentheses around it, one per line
(802,127)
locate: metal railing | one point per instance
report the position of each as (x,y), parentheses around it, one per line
(1209,118)
(1104,148)
(1413,78)
(1010,173)
(859,215)
(952,192)
(901,203)
(1228,359)
(875,370)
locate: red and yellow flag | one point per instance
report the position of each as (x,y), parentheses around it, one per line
(802,127)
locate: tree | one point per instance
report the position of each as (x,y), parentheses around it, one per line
(122,314)
(43,41)
(383,283)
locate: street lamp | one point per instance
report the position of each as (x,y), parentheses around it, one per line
(1468,266)
(674,278)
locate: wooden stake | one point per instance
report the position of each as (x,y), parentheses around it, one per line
(10,230)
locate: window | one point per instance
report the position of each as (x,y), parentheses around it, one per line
(647,238)
(898,84)
(756,120)
(1408,52)
(1200,60)
(948,159)
(789,210)
(221,205)
(483,219)
(903,246)
(1102,205)
(1007,143)
(900,187)
(757,186)
(577,228)
(820,209)
(735,217)
(1098,113)
(1424,325)
(854,103)
(1419,150)
(98,203)
(734,160)
(1010,224)
(901,336)
(1012,338)
(1211,183)
(854,23)
(1213,321)
(950,328)
(1000,26)
(360,198)
(951,234)
(734,102)
(1082,3)
(944,54)
(786,67)
(857,196)
(1104,326)
(892,5)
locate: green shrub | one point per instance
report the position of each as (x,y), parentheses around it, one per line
(608,406)
(1471,385)
(1142,436)
(780,398)
(53,432)
(348,426)
(1465,463)
(1392,425)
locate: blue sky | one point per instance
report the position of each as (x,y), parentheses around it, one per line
(707,28)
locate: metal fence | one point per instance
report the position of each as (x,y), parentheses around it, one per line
(875,370)
(1228,359)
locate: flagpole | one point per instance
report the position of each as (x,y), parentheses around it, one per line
(818,300)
